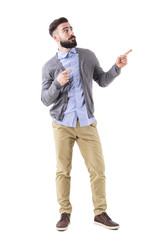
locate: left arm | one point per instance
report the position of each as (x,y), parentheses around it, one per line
(105,78)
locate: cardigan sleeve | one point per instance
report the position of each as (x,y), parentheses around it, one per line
(51,88)
(105,78)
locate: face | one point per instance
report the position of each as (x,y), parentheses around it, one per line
(65,36)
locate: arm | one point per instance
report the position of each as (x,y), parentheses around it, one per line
(105,78)
(50,88)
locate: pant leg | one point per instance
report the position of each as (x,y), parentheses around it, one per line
(64,142)
(90,146)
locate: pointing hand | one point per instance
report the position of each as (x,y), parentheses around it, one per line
(63,77)
(122,60)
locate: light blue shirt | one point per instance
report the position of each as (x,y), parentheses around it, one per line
(76,107)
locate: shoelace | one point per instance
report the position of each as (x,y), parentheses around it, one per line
(105,215)
(64,216)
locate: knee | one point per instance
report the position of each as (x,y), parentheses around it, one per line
(63,170)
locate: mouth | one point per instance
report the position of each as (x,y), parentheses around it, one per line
(73,38)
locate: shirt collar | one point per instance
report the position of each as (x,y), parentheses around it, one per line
(65,54)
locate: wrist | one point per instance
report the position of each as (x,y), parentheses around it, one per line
(117,65)
(57,84)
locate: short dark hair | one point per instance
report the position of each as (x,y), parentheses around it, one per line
(56,23)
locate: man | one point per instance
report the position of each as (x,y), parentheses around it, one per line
(67,86)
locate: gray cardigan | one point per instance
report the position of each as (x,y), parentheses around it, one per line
(89,68)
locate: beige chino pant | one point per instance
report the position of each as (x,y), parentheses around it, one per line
(89,144)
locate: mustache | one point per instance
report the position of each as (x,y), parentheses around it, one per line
(72,37)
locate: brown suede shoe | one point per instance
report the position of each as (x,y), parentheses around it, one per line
(63,223)
(104,220)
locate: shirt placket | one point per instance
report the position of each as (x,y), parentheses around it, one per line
(74,93)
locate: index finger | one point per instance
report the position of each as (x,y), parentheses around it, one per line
(128,52)
(67,70)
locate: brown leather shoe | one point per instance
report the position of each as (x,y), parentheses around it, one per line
(104,220)
(63,223)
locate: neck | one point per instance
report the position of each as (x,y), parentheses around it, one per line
(62,49)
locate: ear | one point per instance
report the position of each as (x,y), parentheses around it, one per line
(55,37)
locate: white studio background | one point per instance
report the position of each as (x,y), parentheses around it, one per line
(127,112)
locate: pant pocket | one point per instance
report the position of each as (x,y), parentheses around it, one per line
(55,125)
(94,124)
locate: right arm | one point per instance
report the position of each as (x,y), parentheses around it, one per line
(51,88)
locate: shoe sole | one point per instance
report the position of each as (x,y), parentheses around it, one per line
(108,227)
(62,229)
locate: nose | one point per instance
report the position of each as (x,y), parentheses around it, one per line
(71,32)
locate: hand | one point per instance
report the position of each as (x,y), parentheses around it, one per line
(122,60)
(63,77)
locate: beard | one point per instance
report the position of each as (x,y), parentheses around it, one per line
(70,43)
